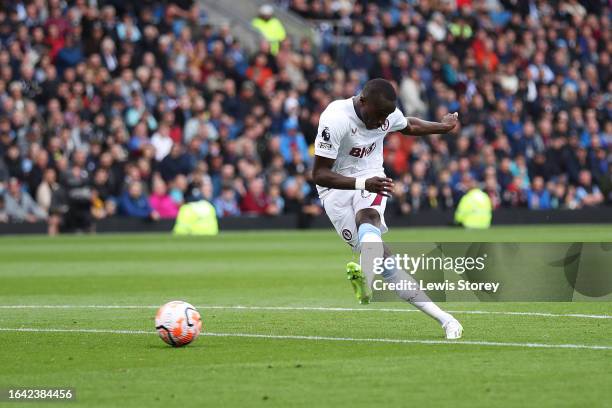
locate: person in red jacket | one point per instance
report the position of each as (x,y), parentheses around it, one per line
(255,201)
(259,72)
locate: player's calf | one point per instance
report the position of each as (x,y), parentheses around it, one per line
(371,235)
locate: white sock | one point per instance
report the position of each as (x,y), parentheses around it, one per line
(433,310)
(417,297)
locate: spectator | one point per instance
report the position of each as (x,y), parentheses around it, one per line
(109,58)
(178,190)
(35,175)
(226,204)
(79,193)
(174,164)
(411,95)
(539,71)
(139,139)
(162,142)
(127,30)
(492,189)
(14,162)
(571,201)
(198,124)
(134,203)
(270,27)
(207,191)
(105,200)
(291,141)
(504,175)
(70,54)
(538,198)
(20,207)
(259,72)
(446,197)
(293,197)
(255,201)
(415,198)
(587,194)
(431,198)
(299,199)
(558,196)
(51,197)
(161,202)
(277,203)
(514,194)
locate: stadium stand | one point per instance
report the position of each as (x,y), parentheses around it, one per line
(108,109)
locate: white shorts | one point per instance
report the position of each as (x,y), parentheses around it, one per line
(341,207)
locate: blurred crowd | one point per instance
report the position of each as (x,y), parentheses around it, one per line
(530,80)
(123,108)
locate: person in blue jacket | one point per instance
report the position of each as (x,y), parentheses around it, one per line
(291,140)
(135,203)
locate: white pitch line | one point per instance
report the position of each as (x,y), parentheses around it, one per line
(312,308)
(45,330)
(324,338)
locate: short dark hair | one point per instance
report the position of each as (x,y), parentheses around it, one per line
(380,89)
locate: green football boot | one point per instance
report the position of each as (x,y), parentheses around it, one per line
(359,282)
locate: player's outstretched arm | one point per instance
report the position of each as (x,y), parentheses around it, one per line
(419,127)
(323,175)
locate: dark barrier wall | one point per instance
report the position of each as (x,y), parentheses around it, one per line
(422,219)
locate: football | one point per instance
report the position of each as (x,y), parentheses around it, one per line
(178,323)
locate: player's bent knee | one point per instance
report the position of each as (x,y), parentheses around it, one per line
(368,216)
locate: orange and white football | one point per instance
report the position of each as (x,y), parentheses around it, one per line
(178,323)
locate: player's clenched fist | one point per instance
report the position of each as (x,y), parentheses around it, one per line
(450,120)
(382,185)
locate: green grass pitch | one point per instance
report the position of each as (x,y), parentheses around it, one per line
(406,361)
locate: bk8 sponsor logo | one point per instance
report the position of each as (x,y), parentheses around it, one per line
(362,151)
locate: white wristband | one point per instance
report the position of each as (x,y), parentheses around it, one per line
(360,183)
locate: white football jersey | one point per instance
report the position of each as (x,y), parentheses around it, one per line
(343,136)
